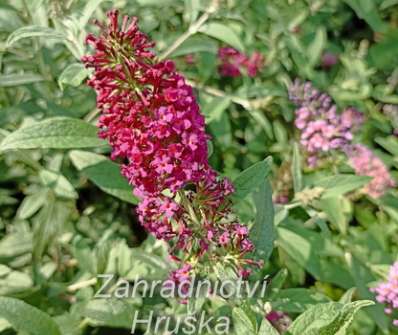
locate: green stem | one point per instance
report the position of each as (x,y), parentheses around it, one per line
(192,30)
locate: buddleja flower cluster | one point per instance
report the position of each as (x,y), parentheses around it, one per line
(322,128)
(387,292)
(234,63)
(366,163)
(151,119)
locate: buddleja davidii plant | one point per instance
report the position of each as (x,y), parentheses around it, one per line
(152,121)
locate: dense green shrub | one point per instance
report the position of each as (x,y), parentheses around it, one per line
(330,234)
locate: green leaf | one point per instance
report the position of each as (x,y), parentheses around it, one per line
(347,315)
(4,270)
(26,318)
(381,270)
(33,31)
(334,209)
(194,45)
(316,47)
(9,19)
(110,312)
(88,11)
(207,63)
(296,300)
(222,130)
(278,280)
(10,80)
(58,183)
(83,252)
(47,225)
(13,282)
(263,233)
(315,253)
(31,204)
(214,109)
(244,322)
(267,329)
(4,325)
(192,8)
(367,10)
(384,53)
(223,33)
(55,133)
(298,19)
(348,296)
(280,132)
(262,120)
(389,143)
(73,75)
(15,244)
(362,277)
(69,323)
(388,3)
(327,319)
(249,180)
(296,169)
(104,173)
(341,184)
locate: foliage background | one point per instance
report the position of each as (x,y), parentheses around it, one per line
(67,215)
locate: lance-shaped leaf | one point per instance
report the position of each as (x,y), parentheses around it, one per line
(250,179)
(263,232)
(54,133)
(26,318)
(104,173)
